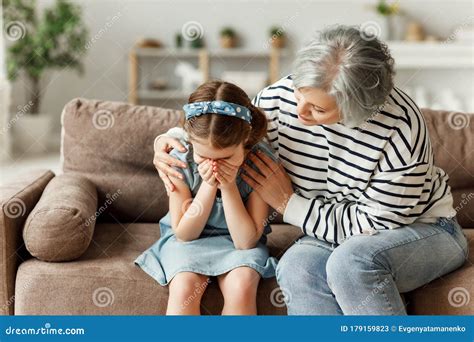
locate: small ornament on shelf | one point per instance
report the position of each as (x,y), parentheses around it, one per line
(148,43)
(197,43)
(415,32)
(394,20)
(191,77)
(178,40)
(277,37)
(158,84)
(228,38)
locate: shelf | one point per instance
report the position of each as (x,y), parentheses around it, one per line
(244,53)
(431,55)
(204,58)
(174,94)
(162,94)
(190,53)
(162,52)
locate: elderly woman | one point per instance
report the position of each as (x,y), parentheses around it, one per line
(356,175)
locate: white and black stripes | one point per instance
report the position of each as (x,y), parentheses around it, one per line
(350,180)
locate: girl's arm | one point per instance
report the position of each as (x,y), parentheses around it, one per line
(189,216)
(245,222)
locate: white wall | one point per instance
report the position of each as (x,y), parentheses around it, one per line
(4,99)
(118,24)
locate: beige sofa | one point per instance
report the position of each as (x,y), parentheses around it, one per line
(56,259)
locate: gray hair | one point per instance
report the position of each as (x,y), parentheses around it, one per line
(352,65)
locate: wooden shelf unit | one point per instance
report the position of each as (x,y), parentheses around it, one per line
(204,59)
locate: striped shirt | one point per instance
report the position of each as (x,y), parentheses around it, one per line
(351,181)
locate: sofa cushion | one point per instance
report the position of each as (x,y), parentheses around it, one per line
(452,294)
(105,281)
(452,138)
(111,143)
(61,225)
(464,206)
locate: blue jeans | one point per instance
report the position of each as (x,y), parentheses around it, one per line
(366,273)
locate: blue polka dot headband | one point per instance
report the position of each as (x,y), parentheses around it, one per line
(217,107)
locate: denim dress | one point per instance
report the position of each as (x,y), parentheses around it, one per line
(213,253)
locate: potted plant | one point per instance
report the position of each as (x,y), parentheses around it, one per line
(277,37)
(197,43)
(228,38)
(393,20)
(56,40)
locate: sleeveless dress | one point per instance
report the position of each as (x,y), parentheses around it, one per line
(213,253)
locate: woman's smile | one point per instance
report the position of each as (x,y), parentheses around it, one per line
(305,119)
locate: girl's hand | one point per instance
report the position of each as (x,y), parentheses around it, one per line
(225,173)
(206,172)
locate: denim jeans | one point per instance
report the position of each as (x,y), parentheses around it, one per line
(366,273)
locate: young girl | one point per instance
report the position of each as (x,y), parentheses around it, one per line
(216,225)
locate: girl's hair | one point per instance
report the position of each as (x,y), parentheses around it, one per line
(222,130)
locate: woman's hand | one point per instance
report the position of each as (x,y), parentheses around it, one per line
(225,173)
(207,173)
(164,162)
(272,184)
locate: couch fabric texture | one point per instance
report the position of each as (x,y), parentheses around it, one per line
(110,144)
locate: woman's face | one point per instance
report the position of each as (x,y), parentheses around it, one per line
(316,107)
(203,150)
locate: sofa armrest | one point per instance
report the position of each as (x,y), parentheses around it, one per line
(17,199)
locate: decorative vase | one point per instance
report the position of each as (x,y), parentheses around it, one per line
(389,28)
(399,26)
(278,42)
(228,42)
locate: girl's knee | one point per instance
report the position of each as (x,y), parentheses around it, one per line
(240,284)
(188,285)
